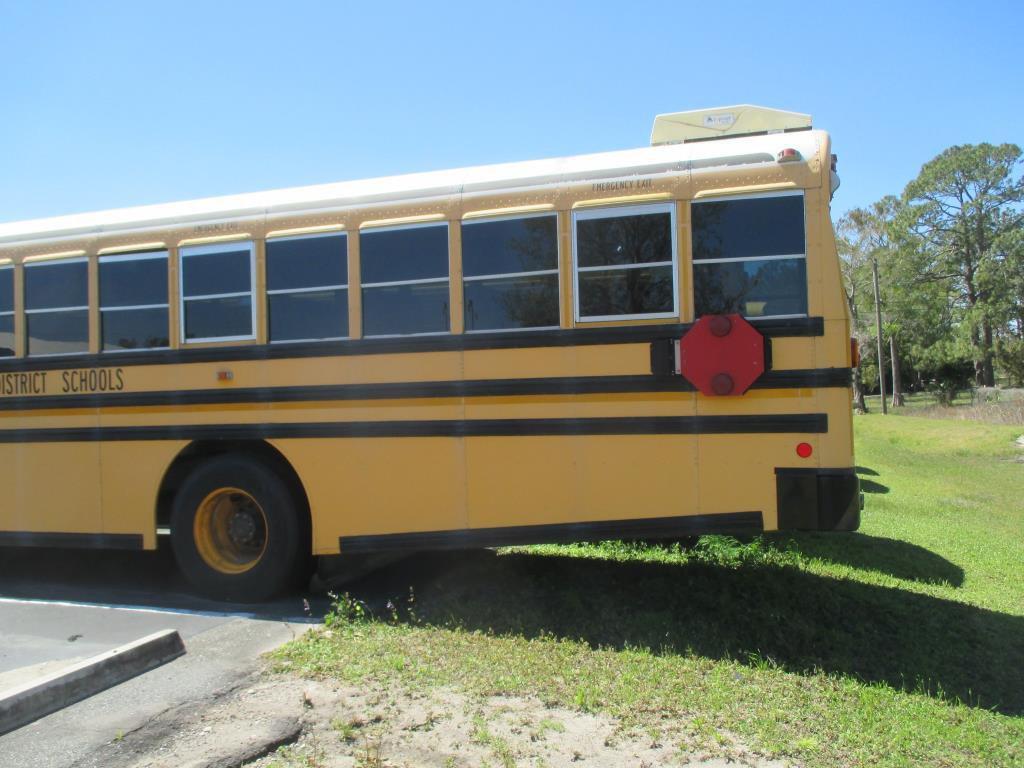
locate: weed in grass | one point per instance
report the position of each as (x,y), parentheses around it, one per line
(345,609)
(315,759)
(347,730)
(501,749)
(427,725)
(370,755)
(545,726)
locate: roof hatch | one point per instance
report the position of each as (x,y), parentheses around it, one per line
(738,120)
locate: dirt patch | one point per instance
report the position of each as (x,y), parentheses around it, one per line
(347,727)
(287,722)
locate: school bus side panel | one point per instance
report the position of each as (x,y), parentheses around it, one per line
(368,486)
(131,473)
(48,487)
(579,479)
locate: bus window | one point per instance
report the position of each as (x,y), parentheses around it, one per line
(307,287)
(625,262)
(510,273)
(216,292)
(749,256)
(133,301)
(6,311)
(57,307)
(404,280)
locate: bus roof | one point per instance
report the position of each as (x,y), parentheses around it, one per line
(697,157)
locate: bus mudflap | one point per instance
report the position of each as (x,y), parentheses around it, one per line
(818,499)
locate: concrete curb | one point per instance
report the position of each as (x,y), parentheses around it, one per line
(21,705)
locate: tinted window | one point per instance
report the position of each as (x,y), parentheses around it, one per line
(56,285)
(215,318)
(209,274)
(127,284)
(764,226)
(625,239)
(511,302)
(304,299)
(510,245)
(753,288)
(626,291)
(746,237)
(412,253)
(307,262)
(131,281)
(405,309)
(224,272)
(6,289)
(308,315)
(134,329)
(57,333)
(6,335)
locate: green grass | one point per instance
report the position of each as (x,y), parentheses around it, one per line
(899,645)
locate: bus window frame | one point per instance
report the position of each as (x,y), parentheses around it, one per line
(556,271)
(227,246)
(268,292)
(371,229)
(27,265)
(133,256)
(603,212)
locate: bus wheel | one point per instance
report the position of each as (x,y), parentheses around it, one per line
(237,531)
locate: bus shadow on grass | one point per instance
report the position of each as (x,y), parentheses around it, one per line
(870,486)
(900,559)
(801,622)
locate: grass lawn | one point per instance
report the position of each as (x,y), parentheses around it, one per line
(899,645)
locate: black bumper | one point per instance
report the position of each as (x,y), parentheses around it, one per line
(818,499)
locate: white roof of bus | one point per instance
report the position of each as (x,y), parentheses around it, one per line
(697,156)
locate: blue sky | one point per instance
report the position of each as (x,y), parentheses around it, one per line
(108,104)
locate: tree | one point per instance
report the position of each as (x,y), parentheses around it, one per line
(853,259)
(863,236)
(962,221)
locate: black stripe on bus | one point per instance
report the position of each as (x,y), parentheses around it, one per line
(571,337)
(798,423)
(559,533)
(71,540)
(569,385)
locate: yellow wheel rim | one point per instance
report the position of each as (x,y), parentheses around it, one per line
(230,531)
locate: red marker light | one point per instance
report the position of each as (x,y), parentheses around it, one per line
(722,384)
(788,155)
(804,450)
(720,325)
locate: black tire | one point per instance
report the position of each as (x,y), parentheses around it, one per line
(238,531)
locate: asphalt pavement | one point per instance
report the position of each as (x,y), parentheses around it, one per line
(58,606)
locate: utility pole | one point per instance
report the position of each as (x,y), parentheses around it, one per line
(878,333)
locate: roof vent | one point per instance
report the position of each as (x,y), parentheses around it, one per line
(739,120)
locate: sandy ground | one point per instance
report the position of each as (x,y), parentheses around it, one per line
(285,722)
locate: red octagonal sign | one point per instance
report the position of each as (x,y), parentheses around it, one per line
(722,355)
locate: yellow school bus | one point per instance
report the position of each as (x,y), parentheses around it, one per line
(634,344)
